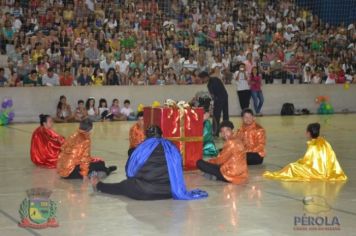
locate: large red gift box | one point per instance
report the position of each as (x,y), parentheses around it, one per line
(184,127)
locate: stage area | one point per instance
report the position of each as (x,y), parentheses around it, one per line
(260,207)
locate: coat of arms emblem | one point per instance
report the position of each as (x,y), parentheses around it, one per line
(37,210)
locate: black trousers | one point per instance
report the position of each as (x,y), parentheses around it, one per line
(129,152)
(129,188)
(211,169)
(253,158)
(94,166)
(268,78)
(220,105)
(244,98)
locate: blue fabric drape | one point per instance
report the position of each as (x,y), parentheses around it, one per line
(174,164)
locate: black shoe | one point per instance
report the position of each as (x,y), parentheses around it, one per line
(112,168)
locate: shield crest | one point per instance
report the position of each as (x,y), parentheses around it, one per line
(39,210)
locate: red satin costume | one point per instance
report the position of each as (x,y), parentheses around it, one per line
(45,147)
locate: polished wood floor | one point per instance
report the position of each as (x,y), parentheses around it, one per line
(260,207)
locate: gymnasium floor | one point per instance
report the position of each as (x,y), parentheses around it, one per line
(261,207)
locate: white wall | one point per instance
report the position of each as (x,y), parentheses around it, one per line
(29,102)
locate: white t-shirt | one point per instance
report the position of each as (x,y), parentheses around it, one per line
(241,58)
(102,109)
(105,66)
(90,4)
(50,81)
(330,81)
(288,36)
(122,66)
(91,111)
(126,111)
(242,83)
(190,66)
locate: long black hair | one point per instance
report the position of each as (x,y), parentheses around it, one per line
(87,104)
(43,119)
(102,100)
(59,105)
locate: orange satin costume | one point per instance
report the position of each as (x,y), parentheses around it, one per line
(45,147)
(318,163)
(75,151)
(232,161)
(254,138)
(136,135)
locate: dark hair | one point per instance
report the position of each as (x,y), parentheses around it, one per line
(87,105)
(115,100)
(153,131)
(246,111)
(50,69)
(33,72)
(314,129)
(59,105)
(127,101)
(43,119)
(203,74)
(86,125)
(109,71)
(226,123)
(80,101)
(139,114)
(102,100)
(96,73)
(252,74)
(39,59)
(2,69)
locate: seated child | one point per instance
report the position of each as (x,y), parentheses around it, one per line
(80,111)
(127,110)
(103,109)
(115,110)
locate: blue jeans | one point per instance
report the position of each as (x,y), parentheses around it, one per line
(257,97)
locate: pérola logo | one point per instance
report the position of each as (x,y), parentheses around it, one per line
(316,205)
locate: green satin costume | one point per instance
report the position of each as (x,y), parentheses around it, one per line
(209,148)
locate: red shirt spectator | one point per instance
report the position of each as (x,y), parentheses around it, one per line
(255,83)
(66,79)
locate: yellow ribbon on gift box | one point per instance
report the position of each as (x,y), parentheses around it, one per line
(183,109)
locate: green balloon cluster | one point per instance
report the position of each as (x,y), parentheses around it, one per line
(325,108)
(6,113)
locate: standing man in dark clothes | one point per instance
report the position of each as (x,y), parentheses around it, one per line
(219,95)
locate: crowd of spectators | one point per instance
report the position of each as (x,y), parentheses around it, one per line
(126,42)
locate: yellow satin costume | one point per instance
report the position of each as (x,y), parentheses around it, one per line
(318,163)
